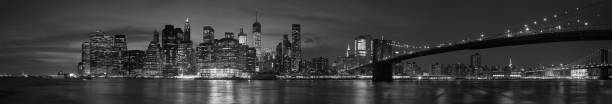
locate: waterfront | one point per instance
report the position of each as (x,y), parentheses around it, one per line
(169,91)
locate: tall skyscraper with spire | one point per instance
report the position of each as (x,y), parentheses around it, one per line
(185,54)
(257,39)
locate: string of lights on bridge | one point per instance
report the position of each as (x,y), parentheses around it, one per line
(575,19)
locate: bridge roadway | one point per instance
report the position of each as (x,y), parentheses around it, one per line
(546,37)
(588,35)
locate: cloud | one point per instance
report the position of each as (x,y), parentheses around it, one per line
(41,34)
(311,40)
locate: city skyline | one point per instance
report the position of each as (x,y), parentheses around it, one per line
(330,30)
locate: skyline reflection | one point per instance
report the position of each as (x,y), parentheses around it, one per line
(110,91)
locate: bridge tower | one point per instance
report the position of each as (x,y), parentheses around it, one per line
(382,71)
(603,74)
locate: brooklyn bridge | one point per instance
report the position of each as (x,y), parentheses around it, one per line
(578,24)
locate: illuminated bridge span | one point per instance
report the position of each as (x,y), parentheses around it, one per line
(382,66)
(576,25)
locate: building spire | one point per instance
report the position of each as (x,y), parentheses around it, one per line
(348,50)
(510,64)
(256,14)
(348,47)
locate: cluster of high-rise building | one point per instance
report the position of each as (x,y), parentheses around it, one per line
(361,53)
(171,52)
(288,57)
(103,54)
(172,55)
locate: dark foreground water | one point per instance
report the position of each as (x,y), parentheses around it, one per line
(116,91)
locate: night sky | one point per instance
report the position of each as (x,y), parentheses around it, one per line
(44,36)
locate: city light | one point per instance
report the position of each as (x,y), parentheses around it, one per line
(231,59)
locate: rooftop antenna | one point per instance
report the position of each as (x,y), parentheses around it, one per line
(256,14)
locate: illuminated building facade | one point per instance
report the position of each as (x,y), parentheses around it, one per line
(257,37)
(103,54)
(185,53)
(204,51)
(296,47)
(363,49)
(169,50)
(134,62)
(153,57)
(283,56)
(475,60)
(229,59)
(267,64)
(242,37)
(320,66)
(119,46)
(84,66)
(171,54)
(251,59)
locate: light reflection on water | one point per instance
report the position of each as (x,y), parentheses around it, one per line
(102,91)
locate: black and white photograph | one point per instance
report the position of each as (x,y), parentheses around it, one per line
(305,51)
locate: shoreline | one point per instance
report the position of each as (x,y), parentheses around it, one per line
(294,78)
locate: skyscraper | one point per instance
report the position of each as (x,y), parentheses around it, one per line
(251,59)
(103,54)
(84,66)
(180,36)
(228,58)
(117,53)
(363,45)
(185,53)
(187,31)
(257,37)
(475,60)
(153,58)
(208,34)
(349,52)
(169,50)
(100,46)
(283,56)
(204,51)
(242,37)
(321,66)
(363,49)
(134,62)
(510,62)
(296,47)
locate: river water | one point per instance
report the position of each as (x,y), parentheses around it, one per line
(167,91)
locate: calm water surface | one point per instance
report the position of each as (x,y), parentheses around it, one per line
(116,91)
